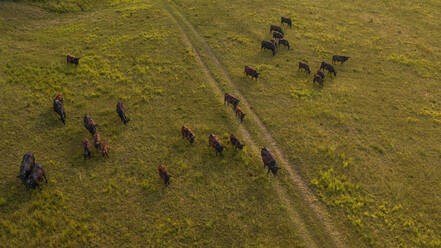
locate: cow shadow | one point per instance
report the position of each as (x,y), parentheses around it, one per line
(49,119)
(13,195)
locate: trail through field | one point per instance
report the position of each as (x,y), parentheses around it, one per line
(316,207)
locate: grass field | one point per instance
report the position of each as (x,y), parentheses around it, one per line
(367,144)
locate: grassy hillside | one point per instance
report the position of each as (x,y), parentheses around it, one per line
(367,143)
(129,52)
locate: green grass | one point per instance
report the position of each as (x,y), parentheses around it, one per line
(129,52)
(367,142)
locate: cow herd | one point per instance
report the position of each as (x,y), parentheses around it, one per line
(278,34)
(32,174)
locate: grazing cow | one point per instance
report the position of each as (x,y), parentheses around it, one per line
(251,72)
(323,65)
(187,133)
(97,141)
(240,114)
(27,163)
(164,174)
(89,124)
(121,110)
(338,58)
(269,45)
(321,74)
(213,141)
(276,28)
(328,67)
(284,42)
(268,160)
(72,60)
(304,67)
(318,79)
(86,146)
(229,99)
(277,35)
(286,20)
(59,108)
(36,177)
(236,143)
(104,149)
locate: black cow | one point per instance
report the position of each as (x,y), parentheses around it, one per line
(59,108)
(338,58)
(251,72)
(27,163)
(277,35)
(163,173)
(276,28)
(269,45)
(235,142)
(328,67)
(304,67)
(286,20)
(213,141)
(268,160)
(229,99)
(284,42)
(72,60)
(121,110)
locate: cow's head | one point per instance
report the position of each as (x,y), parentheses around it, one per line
(191,138)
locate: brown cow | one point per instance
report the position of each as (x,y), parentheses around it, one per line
(164,174)
(59,107)
(59,97)
(104,149)
(229,99)
(240,114)
(187,133)
(121,110)
(321,74)
(318,79)
(97,141)
(36,176)
(87,150)
(72,60)
(213,141)
(235,142)
(89,124)
(251,72)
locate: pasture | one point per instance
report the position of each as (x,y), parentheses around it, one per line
(360,156)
